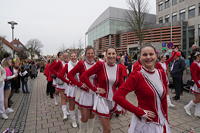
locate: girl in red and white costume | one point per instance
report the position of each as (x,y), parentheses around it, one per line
(163,64)
(84,98)
(60,85)
(70,90)
(150,87)
(195,73)
(109,78)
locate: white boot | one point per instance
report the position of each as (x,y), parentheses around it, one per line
(188,107)
(90,125)
(64,109)
(197,110)
(4,116)
(73,119)
(79,116)
(169,103)
(55,100)
(82,127)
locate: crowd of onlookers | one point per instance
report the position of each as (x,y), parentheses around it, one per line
(14,74)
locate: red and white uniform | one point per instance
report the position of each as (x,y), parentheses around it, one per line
(70,90)
(84,98)
(150,89)
(195,73)
(55,69)
(108,78)
(63,76)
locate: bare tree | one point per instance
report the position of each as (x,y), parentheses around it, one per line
(136,14)
(34,46)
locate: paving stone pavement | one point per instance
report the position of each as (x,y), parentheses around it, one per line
(44,117)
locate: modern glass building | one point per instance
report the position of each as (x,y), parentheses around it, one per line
(110,22)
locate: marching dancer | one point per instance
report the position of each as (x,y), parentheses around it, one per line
(108,79)
(52,73)
(60,86)
(195,73)
(70,90)
(84,98)
(150,87)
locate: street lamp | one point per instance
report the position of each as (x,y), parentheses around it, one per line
(13,23)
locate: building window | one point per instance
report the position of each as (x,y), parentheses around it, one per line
(199,8)
(174,17)
(167,4)
(160,6)
(160,20)
(182,15)
(167,19)
(174,2)
(191,35)
(191,12)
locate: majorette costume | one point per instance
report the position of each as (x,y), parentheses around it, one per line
(150,89)
(108,78)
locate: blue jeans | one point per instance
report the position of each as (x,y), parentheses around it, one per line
(24,86)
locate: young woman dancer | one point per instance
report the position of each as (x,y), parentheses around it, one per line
(53,73)
(195,73)
(108,79)
(150,87)
(56,69)
(70,89)
(86,99)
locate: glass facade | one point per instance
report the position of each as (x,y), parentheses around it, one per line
(106,28)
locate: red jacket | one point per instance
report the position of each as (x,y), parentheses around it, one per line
(101,77)
(159,66)
(195,73)
(79,68)
(47,73)
(56,67)
(145,94)
(62,74)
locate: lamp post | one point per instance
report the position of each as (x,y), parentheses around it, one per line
(13,23)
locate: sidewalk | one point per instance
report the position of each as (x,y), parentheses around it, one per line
(44,117)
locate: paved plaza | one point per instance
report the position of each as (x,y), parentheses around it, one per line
(36,113)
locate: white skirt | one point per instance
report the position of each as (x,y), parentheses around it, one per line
(86,100)
(103,107)
(71,91)
(195,89)
(141,126)
(61,87)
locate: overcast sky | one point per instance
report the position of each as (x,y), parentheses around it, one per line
(54,22)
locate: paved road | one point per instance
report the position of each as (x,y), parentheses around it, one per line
(36,113)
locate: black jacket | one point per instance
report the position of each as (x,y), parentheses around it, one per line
(178,68)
